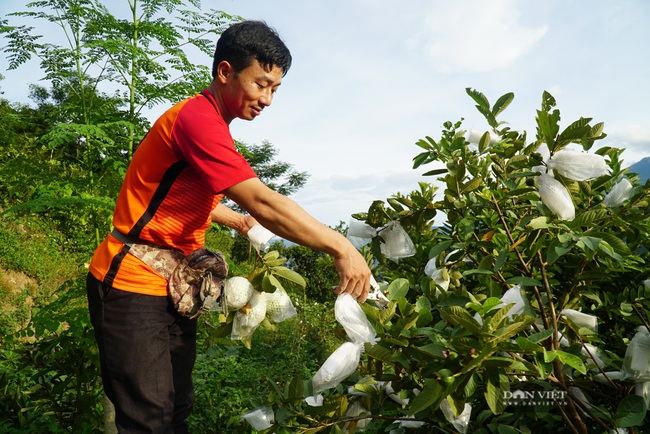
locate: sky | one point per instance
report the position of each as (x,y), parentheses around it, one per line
(372,77)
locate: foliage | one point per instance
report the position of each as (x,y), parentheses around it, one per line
(268,274)
(49,369)
(461,344)
(34,247)
(76,155)
(317,268)
(230,379)
(144,57)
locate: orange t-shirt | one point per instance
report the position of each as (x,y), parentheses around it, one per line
(172,184)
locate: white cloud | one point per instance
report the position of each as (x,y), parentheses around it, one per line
(633,138)
(477,36)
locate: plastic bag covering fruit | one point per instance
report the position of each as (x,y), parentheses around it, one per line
(260,419)
(397,397)
(618,194)
(581,319)
(579,166)
(237,292)
(474,136)
(636,363)
(279,306)
(360,233)
(348,313)
(355,411)
(439,276)
(315,401)
(338,366)
(411,424)
(260,237)
(460,422)
(643,390)
(360,229)
(556,197)
(397,244)
(512,295)
(592,355)
(247,320)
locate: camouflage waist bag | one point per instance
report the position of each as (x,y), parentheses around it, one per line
(195,281)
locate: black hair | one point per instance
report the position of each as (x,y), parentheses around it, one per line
(246,41)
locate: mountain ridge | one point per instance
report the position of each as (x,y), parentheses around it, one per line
(642,167)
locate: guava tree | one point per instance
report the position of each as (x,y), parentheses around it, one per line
(533,290)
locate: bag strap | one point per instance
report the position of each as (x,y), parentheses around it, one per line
(162,260)
(127,240)
(165,185)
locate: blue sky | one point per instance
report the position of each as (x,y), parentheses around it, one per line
(371,77)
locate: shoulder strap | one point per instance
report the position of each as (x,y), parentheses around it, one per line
(129,239)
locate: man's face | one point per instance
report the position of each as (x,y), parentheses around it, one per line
(247,93)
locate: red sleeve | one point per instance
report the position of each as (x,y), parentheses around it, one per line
(203,139)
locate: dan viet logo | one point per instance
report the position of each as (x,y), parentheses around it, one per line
(534,397)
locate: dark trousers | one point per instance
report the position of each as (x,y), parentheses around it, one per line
(147,354)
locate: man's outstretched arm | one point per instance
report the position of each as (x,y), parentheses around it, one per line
(285,218)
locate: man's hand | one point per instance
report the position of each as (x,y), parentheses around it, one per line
(287,219)
(223,215)
(354,274)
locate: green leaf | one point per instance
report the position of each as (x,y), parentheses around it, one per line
(296,388)
(477,271)
(289,276)
(270,283)
(490,302)
(539,223)
(397,288)
(541,336)
(472,185)
(576,131)
(566,358)
(555,252)
(435,172)
(590,218)
(275,262)
(510,330)
(424,144)
(499,316)
(497,385)
(430,395)
(615,242)
(502,103)
(380,353)
(484,142)
(523,281)
(526,345)
(480,99)
(503,255)
(548,102)
(439,248)
(461,317)
(273,254)
(631,411)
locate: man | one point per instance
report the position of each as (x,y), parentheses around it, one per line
(170,196)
